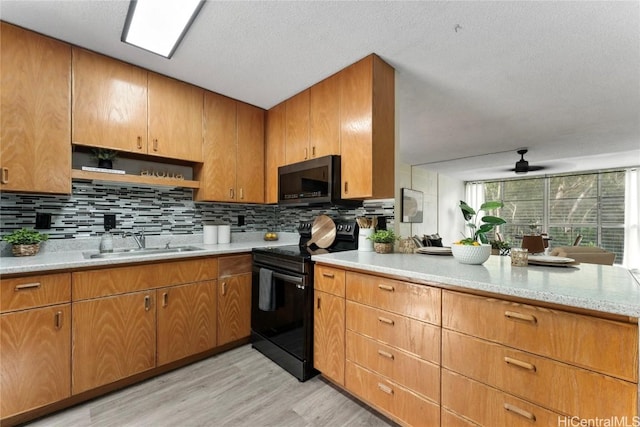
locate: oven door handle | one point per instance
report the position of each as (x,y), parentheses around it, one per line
(293,279)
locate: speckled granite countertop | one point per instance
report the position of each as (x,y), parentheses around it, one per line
(607,289)
(71,255)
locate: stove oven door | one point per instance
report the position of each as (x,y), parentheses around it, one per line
(287,332)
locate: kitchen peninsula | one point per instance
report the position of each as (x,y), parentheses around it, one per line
(409,333)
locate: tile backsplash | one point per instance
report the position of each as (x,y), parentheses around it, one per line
(157,210)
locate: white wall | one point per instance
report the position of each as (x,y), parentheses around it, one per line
(450,221)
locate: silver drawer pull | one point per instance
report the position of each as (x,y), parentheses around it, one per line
(385,320)
(521,412)
(385,354)
(27,286)
(386,288)
(520,364)
(519,316)
(328,275)
(147,303)
(385,388)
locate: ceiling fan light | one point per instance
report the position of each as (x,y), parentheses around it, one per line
(159,25)
(522,166)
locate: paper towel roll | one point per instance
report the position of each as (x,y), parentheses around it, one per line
(210,234)
(224,234)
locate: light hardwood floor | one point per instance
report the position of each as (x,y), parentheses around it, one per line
(238,388)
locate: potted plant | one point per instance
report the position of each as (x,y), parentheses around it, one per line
(25,242)
(104,157)
(476,249)
(383,241)
(500,247)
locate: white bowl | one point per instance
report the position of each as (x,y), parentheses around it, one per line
(468,254)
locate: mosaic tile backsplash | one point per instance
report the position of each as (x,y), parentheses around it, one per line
(157,210)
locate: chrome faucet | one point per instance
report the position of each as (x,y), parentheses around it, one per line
(139,238)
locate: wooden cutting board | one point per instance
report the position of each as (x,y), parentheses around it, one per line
(323,232)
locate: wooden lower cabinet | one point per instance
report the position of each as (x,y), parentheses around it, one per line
(113,338)
(35,358)
(328,335)
(488,406)
(393,400)
(186,320)
(234,308)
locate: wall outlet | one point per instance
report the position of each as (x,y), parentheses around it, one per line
(43,221)
(109,221)
(240,220)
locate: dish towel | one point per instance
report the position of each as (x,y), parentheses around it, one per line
(267,291)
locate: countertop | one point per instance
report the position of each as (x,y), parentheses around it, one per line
(607,289)
(61,258)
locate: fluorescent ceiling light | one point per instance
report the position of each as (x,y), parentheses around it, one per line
(159,25)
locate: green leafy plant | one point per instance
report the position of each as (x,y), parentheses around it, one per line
(103,154)
(480,227)
(383,236)
(499,244)
(25,237)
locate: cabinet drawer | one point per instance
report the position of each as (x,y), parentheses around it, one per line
(417,301)
(402,368)
(554,385)
(390,398)
(34,291)
(233,265)
(419,338)
(449,419)
(119,280)
(329,280)
(488,406)
(603,345)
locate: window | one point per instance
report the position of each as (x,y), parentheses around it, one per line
(565,206)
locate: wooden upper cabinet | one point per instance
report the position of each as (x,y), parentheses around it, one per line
(233,168)
(250,154)
(217,175)
(35,112)
(274,150)
(324,117)
(109,103)
(174,119)
(297,128)
(367,131)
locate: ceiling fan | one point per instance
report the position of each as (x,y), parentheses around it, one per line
(522,166)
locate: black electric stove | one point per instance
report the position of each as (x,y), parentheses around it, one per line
(284,331)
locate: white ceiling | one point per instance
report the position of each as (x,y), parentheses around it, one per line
(472,78)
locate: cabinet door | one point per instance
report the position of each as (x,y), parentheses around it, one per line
(35,358)
(113,338)
(186,320)
(234,308)
(367,129)
(218,172)
(274,150)
(324,130)
(250,150)
(297,128)
(35,112)
(328,336)
(175,119)
(109,103)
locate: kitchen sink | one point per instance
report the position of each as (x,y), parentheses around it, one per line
(122,253)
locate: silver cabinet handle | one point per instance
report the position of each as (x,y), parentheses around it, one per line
(520,364)
(386,354)
(385,320)
(514,315)
(147,303)
(5,175)
(27,286)
(385,388)
(165,299)
(386,288)
(519,411)
(58,320)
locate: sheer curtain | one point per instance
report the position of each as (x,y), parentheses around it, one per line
(474,194)
(632,219)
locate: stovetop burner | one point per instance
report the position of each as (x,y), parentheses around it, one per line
(346,240)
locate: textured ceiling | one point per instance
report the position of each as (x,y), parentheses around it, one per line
(472,78)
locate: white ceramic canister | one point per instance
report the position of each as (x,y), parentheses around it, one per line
(365,244)
(224,234)
(210,234)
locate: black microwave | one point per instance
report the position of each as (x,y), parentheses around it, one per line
(311,182)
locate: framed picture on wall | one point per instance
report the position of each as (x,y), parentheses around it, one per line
(412,205)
